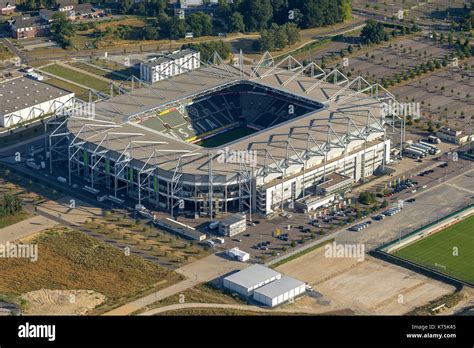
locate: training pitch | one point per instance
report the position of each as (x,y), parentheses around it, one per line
(449,251)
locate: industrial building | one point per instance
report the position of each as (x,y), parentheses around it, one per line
(264,285)
(301,124)
(247,280)
(166,65)
(280,291)
(23,99)
(454,136)
(232,225)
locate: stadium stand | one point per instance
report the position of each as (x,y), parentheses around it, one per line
(234,106)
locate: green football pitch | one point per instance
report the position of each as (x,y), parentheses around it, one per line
(450,251)
(226,137)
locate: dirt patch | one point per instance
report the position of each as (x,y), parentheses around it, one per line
(61,302)
(368,287)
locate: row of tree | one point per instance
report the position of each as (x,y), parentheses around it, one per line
(207,49)
(277,37)
(256,15)
(374,32)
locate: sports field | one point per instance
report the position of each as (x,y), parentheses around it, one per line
(450,251)
(227,137)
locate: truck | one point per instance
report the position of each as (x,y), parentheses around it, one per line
(434,140)
(427,147)
(413,153)
(422,148)
(434,149)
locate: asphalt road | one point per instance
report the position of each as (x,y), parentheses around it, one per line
(12,47)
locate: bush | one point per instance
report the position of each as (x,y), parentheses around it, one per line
(366,198)
(10,205)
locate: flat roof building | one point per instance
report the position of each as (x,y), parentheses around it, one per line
(334,183)
(246,281)
(233,225)
(280,291)
(23,99)
(181,229)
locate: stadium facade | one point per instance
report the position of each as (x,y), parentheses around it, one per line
(226,138)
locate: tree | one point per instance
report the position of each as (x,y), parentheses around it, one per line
(200,24)
(236,23)
(177,28)
(126,6)
(280,37)
(292,33)
(256,13)
(366,198)
(62,28)
(150,33)
(346,11)
(373,31)
(207,49)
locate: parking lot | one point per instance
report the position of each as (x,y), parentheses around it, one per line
(446,95)
(396,57)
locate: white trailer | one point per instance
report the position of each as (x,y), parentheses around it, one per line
(421,148)
(413,153)
(432,147)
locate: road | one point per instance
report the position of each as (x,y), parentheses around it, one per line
(200,271)
(16,51)
(179,306)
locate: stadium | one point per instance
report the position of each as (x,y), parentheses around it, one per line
(225,138)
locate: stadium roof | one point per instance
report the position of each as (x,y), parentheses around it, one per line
(21,93)
(346,112)
(252,276)
(279,287)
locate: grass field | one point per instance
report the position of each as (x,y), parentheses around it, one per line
(77,77)
(226,137)
(69,260)
(437,251)
(79,92)
(5,53)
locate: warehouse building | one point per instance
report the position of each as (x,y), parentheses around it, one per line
(246,281)
(23,99)
(232,225)
(280,291)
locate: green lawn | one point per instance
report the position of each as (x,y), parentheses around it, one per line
(226,137)
(79,92)
(437,251)
(77,77)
